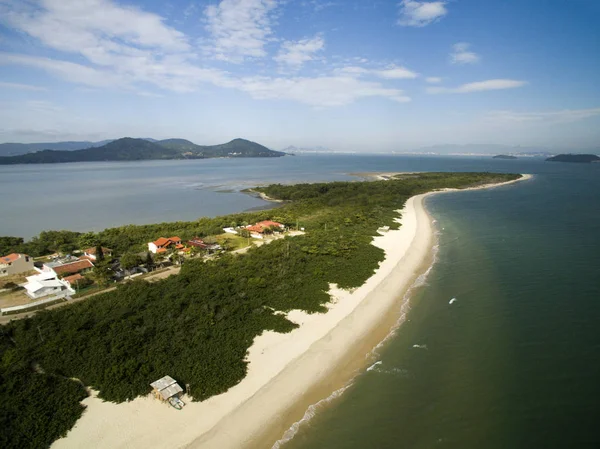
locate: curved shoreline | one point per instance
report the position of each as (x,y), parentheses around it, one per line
(287,372)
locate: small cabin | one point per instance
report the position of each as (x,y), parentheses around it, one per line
(168,390)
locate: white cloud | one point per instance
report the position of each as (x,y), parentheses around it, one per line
(20,86)
(480,86)
(239,29)
(119,51)
(296,53)
(419,14)
(390,72)
(322,91)
(461,54)
(433,79)
(552,117)
(94,27)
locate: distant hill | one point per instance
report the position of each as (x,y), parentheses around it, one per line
(14,149)
(129,149)
(238,148)
(581,158)
(504,156)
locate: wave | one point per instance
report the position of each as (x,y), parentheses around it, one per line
(374,365)
(308,415)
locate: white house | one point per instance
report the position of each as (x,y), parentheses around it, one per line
(15,264)
(163,244)
(44,284)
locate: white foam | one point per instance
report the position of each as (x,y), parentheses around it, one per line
(374,365)
(308,415)
(420,346)
(452,301)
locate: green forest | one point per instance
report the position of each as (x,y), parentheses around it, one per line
(197,326)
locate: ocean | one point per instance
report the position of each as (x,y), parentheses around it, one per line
(513,362)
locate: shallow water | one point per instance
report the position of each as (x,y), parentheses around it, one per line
(514,361)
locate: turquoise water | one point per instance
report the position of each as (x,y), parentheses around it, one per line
(514,362)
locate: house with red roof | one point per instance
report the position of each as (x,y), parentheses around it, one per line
(162,245)
(15,263)
(259,229)
(65,269)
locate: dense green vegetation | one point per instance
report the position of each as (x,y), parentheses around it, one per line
(198,326)
(128,149)
(582,158)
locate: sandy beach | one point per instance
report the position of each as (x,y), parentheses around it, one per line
(287,372)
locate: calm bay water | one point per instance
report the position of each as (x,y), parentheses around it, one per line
(513,363)
(94,196)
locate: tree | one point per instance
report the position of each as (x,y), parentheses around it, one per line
(129,261)
(244,233)
(102,273)
(99,254)
(149,261)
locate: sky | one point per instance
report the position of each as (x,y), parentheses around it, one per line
(352,75)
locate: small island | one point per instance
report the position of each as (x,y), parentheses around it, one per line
(580,158)
(504,156)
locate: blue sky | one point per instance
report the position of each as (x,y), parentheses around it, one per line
(350,75)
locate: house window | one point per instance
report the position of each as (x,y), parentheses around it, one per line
(26,258)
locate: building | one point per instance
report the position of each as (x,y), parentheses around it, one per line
(91,253)
(69,268)
(44,284)
(163,244)
(257,231)
(73,280)
(168,390)
(15,263)
(197,242)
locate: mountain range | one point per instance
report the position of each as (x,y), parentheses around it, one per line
(130,149)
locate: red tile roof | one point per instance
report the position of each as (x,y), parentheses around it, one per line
(262,225)
(73,278)
(10,258)
(73,267)
(161,242)
(269,223)
(166,242)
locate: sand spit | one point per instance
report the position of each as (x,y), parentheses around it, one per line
(287,372)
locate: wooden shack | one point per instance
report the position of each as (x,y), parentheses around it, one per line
(168,390)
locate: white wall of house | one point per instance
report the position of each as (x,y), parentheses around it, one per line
(152,247)
(44,284)
(22,265)
(230,231)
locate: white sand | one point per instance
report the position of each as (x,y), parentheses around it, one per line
(282,366)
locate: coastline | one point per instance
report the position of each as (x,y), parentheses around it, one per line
(287,372)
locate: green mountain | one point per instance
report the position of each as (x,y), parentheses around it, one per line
(129,149)
(585,158)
